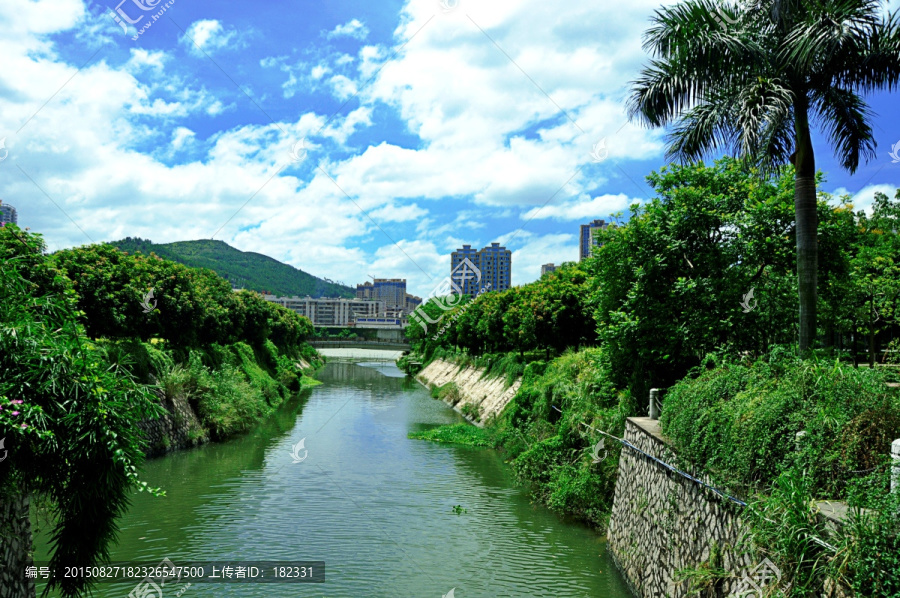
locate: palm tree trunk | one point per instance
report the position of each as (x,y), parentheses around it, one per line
(807,224)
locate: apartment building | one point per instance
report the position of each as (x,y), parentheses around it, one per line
(490,267)
(329,311)
(586,238)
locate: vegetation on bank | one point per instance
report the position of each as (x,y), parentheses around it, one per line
(323,333)
(549,429)
(696,294)
(68,414)
(87,354)
(744,423)
(705,266)
(457,434)
(785,433)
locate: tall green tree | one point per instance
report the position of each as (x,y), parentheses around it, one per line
(751,79)
(673,283)
(68,414)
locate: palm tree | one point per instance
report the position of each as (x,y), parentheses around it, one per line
(750,79)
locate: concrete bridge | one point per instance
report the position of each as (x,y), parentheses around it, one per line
(394,345)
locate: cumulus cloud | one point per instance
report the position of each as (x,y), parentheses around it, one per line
(537,250)
(181,137)
(503,131)
(864,199)
(207,36)
(462,133)
(353,28)
(582,208)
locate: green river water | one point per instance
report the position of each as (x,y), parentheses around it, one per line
(375,506)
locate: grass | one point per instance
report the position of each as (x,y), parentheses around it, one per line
(465,434)
(449,393)
(739,422)
(307,382)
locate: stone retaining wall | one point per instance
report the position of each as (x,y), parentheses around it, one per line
(662,522)
(489,396)
(178,428)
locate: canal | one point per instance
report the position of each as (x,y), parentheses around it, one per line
(389,516)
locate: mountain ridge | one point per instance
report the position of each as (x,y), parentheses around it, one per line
(243,269)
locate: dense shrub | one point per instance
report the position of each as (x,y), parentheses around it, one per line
(740,421)
(863,555)
(549,430)
(224,399)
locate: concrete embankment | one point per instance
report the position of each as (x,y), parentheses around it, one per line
(485,396)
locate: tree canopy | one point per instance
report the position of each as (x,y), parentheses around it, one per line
(752,79)
(706,266)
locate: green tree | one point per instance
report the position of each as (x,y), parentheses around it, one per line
(69,416)
(754,87)
(875,271)
(564,313)
(668,286)
(491,326)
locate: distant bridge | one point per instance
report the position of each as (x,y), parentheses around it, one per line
(354,344)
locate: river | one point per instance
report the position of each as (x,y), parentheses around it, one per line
(377,507)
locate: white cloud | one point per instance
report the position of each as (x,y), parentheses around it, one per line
(539,250)
(342,86)
(181,137)
(864,199)
(398,213)
(583,208)
(206,36)
(340,129)
(478,132)
(353,28)
(141,59)
(28,21)
(488,130)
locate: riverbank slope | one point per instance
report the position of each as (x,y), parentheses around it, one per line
(469,390)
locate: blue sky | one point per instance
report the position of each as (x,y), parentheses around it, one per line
(347,139)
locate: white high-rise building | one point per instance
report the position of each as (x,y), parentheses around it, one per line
(7,214)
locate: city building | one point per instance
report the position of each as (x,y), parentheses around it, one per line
(381,323)
(463,273)
(496,267)
(412,302)
(490,268)
(587,238)
(7,214)
(548,268)
(392,291)
(331,312)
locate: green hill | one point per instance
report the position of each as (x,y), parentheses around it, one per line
(243,269)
